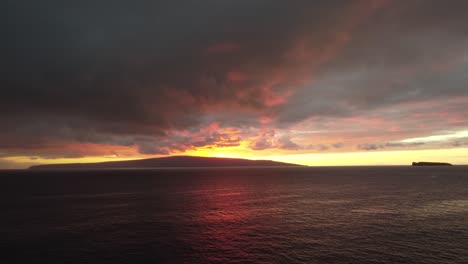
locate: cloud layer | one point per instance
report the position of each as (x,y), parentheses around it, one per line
(164,77)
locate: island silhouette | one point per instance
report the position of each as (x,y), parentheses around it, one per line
(169,162)
(424,163)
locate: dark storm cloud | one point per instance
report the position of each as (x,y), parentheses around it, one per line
(389,145)
(135,73)
(87,69)
(411,51)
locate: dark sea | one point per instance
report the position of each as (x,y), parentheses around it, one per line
(235,215)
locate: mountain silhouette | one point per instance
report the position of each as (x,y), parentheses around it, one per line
(174,161)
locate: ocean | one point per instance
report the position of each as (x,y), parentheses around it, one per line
(236,215)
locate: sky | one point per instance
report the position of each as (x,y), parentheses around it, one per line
(359,82)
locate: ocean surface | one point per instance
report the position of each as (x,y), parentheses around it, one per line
(236,215)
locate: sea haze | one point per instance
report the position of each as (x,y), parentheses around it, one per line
(236,215)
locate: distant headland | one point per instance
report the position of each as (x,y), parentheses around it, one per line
(431,164)
(169,162)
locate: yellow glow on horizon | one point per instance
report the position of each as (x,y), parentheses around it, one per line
(241,151)
(404,157)
(397,157)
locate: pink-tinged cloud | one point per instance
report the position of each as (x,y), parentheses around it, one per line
(265,120)
(236,77)
(386,128)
